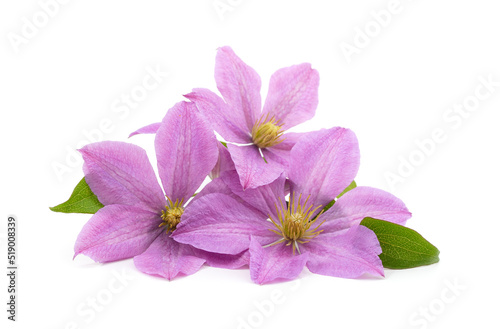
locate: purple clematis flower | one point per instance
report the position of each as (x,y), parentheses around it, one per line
(283,237)
(291,100)
(137,219)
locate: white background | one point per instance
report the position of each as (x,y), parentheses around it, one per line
(64,79)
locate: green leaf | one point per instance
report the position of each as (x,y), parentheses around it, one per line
(402,247)
(223,143)
(81,201)
(348,188)
(329,205)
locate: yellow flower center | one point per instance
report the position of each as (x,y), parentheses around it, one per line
(267,132)
(294,224)
(172,215)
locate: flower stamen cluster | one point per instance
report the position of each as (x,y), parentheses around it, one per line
(294,224)
(172,215)
(267,132)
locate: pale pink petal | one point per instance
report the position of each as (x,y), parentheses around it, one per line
(149,129)
(348,254)
(223,260)
(287,187)
(323,163)
(218,186)
(363,202)
(293,95)
(279,154)
(117,232)
(218,223)
(239,84)
(224,162)
(120,173)
(263,198)
(167,258)
(274,262)
(229,122)
(251,167)
(186,150)
(289,141)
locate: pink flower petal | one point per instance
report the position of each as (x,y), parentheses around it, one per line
(279,154)
(224,162)
(323,163)
(117,232)
(223,260)
(149,129)
(186,150)
(218,186)
(363,202)
(293,95)
(251,167)
(226,120)
(263,198)
(218,223)
(120,173)
(167,258)
(239,84)
(348,254)
(274,262)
